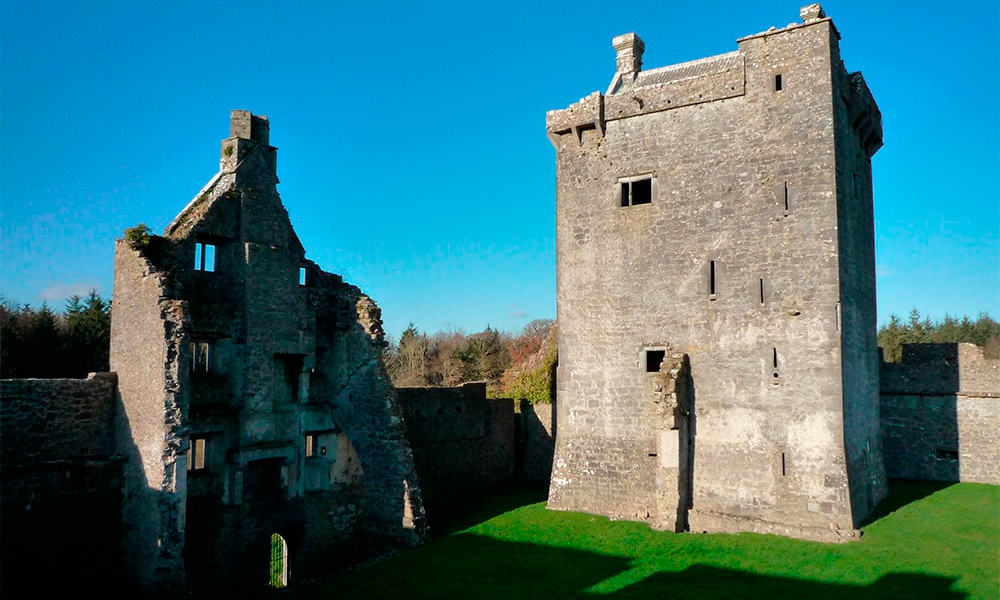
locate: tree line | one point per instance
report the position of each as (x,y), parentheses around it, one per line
(984,332)
(41,343)
(452,358)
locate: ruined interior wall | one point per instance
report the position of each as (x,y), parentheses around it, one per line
(61,490)
(461,440)
(768,456)
(149,353)
(941,414)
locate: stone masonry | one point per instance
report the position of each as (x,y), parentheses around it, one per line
(941,414)
(715,240)
(60,493)
(255,400)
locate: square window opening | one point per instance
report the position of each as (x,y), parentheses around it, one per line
(653,360)
(636,190)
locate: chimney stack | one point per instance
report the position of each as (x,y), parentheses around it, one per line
(629,48)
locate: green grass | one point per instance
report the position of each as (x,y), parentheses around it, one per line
(929,542)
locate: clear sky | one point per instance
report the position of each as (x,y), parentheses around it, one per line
(412,150)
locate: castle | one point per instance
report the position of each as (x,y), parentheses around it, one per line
(718,369)
(716,291)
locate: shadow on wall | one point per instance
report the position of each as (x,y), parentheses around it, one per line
(60,490)
(535,427)
(919,412)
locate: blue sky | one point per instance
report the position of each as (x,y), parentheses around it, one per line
(412,150)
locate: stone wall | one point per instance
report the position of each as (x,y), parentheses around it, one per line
(941,414)
(461,440)
(61,490)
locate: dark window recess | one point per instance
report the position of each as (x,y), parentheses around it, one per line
(263,480)
(777,82)
(653,360)
(201,357)
(774,365)
(287,369)
(786,197)
(711,279)
(204,257)
(947,454)
(762,291)
(636,192)
(196,454)
(783,466)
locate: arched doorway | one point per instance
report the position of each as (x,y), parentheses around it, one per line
(279,561)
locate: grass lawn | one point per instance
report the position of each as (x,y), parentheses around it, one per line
(927,540)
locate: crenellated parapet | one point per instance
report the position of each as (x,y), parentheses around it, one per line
(588,113)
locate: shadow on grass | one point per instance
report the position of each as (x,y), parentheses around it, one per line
(472,566)
(705,582)
(461,512)
(903,492)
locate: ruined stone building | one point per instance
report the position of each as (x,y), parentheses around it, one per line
(254,399)
(716,291)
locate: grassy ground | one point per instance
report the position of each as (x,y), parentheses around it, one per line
(926,541)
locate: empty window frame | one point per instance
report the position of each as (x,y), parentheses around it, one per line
(201,357)
(302,275)
(636,190)
(653,360)
(778,84)
(204,257)
(311,445)
(196,453)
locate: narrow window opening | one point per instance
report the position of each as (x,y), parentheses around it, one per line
(711,280)
(783,466)
(279,561)
(196,454)
(310,445)
(786,198)
(947,454)
(625,193)
(838,316)
(762,291)
(777,82)
(774,357)
(204,257)
(653,360)
(201,354)
(302,275)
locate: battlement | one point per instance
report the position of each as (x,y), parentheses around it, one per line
(634,92)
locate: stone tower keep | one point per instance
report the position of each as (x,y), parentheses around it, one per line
(716,291)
